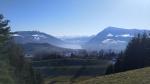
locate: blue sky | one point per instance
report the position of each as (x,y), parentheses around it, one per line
(75,17)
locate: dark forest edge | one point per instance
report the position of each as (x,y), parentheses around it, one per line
(135,56)
(14,68)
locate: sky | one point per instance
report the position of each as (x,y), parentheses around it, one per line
(75,17)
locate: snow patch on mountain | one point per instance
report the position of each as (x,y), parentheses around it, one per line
(37,37)
(110,35)
(17,35)
(112,41)
(107,40)
(124,35)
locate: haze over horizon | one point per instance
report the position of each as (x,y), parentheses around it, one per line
(75,17)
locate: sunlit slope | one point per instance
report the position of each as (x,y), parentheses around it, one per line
(139,76)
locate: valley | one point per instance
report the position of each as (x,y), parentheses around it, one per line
(74,42)
(67,60)
(70,69)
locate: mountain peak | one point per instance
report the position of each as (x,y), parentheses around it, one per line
(113,28)
(113,38)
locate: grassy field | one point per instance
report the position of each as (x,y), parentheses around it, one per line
(139,76)
(66,71)
(66,79)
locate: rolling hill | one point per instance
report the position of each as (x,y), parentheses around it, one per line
(33,48)
(139,76)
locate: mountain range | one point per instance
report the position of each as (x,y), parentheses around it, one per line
(24,37)
(110,38)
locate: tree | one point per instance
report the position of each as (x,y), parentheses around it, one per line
(14,69)
(110,69)
(136,54)
(5,73)
(22,69)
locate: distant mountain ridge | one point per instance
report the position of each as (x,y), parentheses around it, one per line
(112,38)
(34,48)
(35,41)
(76,39)
(24,37)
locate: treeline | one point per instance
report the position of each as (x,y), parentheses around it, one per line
(14,69)
(136,55)
(109,55)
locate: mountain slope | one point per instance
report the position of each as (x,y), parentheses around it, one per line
(33,48)
(75,42)
(139,76)
(76,39)
(24,37)
(112,38)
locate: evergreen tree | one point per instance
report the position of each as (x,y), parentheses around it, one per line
(136,55)
(5,72)
(14,69)
(23,71)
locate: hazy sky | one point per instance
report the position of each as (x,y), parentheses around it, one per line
(75,17)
